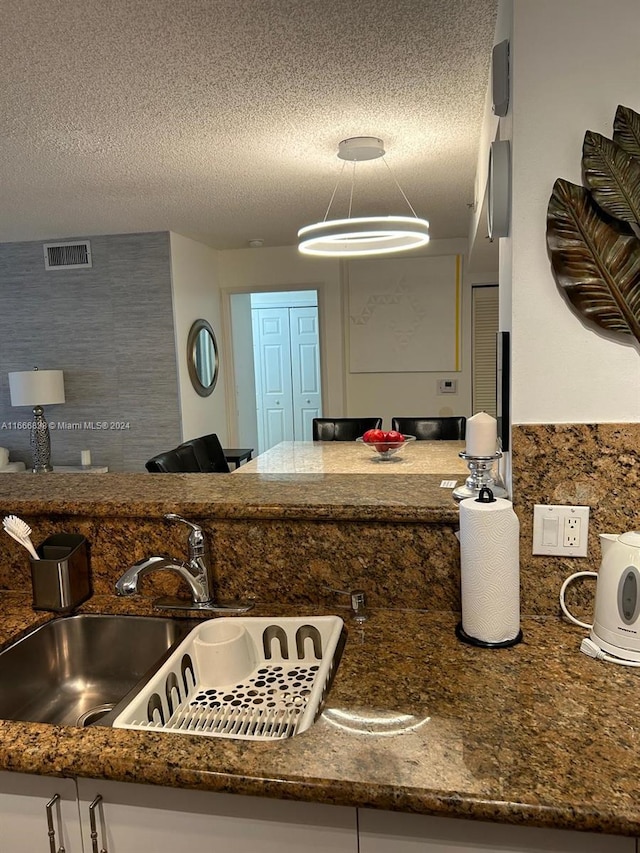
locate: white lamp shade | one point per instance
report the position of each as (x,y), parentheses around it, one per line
(36,387)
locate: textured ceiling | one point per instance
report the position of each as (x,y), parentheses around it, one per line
(220,119)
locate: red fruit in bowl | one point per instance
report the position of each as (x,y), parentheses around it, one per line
(372,436)
(394,436)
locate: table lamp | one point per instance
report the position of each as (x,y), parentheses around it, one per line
(38,388)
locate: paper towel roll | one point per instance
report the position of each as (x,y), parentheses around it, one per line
(4,457)
(490,571)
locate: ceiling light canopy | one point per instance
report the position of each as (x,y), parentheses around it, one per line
(364,235)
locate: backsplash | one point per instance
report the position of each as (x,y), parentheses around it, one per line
(595,465)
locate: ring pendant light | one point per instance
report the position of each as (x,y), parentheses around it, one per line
(365,235)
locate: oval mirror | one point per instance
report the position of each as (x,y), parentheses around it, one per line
(202,357)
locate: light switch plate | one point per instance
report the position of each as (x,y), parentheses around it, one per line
(560,530)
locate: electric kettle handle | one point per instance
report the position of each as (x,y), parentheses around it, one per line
(564,586)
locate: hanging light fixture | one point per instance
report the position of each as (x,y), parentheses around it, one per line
(365,235)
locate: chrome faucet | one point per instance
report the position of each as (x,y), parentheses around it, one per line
(194,571)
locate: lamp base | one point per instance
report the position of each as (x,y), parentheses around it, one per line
(40,443)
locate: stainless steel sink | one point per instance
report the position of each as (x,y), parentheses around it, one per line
(74,670)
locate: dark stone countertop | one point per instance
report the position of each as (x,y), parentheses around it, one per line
(416,721)
(354,497)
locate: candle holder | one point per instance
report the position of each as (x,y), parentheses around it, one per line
(480,477)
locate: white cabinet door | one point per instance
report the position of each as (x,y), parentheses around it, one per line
(392,832)
(134,818)
(24,818)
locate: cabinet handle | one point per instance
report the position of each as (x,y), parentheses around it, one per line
(92,823)
(51,829)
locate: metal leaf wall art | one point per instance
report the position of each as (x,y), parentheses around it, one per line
(593,232)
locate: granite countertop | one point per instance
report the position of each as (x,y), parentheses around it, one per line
(353,497)
(416,721)
(346,457)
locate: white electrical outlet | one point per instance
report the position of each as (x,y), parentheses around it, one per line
(560,530)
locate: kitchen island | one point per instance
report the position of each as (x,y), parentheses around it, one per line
(350,457)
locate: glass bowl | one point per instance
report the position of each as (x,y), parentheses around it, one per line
(384,450)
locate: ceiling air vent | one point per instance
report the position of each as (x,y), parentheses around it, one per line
(67,256)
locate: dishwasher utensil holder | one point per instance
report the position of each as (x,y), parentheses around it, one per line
(248,678)
(61,578)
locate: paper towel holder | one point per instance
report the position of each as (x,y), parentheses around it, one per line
(485,496)
(462,635)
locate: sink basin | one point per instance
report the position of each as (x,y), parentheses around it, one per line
(75,669)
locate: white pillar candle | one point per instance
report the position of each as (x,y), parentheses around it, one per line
(481,435)
(85,458)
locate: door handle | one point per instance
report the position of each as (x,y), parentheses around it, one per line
(92,823)
(51,829)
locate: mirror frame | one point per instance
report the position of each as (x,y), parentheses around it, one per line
(192,343)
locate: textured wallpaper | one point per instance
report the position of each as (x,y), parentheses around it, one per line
(110,329)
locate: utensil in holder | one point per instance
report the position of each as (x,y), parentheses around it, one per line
(60,578)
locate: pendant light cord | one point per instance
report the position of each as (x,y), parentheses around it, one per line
(351,191)
(335,189)
(353,183)
(384,160)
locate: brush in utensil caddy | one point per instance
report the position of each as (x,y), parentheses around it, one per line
(60,578)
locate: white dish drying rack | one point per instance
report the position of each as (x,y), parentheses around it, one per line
(249,678)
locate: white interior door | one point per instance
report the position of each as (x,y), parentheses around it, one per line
(484,328)
(305,364)
(287,370)
(273,367)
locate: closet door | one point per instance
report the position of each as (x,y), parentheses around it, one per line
(484,329)
(273,375)
(305,369)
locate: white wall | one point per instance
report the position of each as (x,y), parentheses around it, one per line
(572,63)
(343,393)
(196,295)
(416,393)
(284,267)
(242,385)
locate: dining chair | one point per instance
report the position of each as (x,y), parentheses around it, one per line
(342,429)
(180,460)
(209,453)
(431,429)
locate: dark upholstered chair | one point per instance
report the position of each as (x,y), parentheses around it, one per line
(209,453)
(342,429)
(180,460)
(431,429)
(202,455)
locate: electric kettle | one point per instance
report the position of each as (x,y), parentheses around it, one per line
(615,632)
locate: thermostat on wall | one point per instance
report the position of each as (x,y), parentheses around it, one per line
(447,386)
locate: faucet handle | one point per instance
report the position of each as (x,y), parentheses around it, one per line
(358,602)
(196,536)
